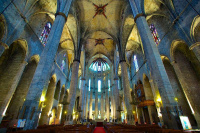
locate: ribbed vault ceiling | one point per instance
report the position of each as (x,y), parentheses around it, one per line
(100,22)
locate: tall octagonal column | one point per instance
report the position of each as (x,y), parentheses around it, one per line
(90,104)
(156,67)
(82,97)
(126,88)
(72,91)
(43,70)
(96,104)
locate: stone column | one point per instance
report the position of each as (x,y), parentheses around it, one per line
(124,108)
(126,88)
(90,108)
(8,96)
(43,70)
(139,114)
(102,101)
(96,104)
(110,99)
(59,112)
(86,102)
(21,91)
(151,111)
(156,67)
(156,94)
(149,96)
(143,116)
(64,109)
(82,97)
(112,96)
(44,119)
(72,91)
(60,105)
(190,88)
(196,49)
(107,106)
(116,96)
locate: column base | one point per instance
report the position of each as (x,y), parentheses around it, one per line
(32,123)
(119,122)
(31,113)
(170,117)
(68,123)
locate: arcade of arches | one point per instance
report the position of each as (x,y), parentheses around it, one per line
(118,61)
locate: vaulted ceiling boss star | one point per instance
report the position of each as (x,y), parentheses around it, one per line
(99,41)
(100,10)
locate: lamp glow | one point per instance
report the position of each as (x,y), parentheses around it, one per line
(159,100)
(42,99)
(176,99)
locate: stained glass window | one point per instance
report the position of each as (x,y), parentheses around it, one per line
(45,33)
(99,85)
(154,34)
(89,85)
(99,65)
(109,85)
(119,84)
(63,63)
(136,63)
(80,83)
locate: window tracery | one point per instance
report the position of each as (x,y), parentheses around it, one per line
(154,34)
(63,63)
(45,33)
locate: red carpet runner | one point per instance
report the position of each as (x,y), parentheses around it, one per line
(99,130)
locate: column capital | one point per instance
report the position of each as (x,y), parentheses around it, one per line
(122,61)
(194,45)
(62,14)
(4,45)
(173,62)
(76,60)
(25,62)
(138,15)
(83,78)
(115,78)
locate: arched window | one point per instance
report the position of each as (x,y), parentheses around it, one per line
(89,84)
(154,34)
(63,63)
(99,65)
(99,85)
(119,87)
(45,33)
(80,83)
(109,85)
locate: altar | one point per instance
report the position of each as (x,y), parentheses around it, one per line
(99,122)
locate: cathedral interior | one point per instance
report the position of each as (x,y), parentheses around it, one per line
(125,62)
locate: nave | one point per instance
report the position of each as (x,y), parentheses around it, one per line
(128,63)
